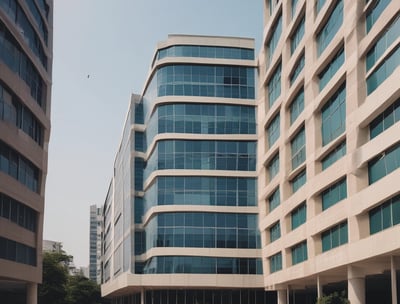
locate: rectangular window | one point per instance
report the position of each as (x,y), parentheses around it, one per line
(334,116)
(274,86)
(299,253)
(273,130)
(384,70)
(273,167)
(333,66)
(375,12)
(334,194)
(299,180)
(274,200)
(273,41)
(385,216)
(139,141)
(298,146)
(297,36)
(330,28)
(297,69)
(385,120)
(334,237)
(297,106)
(385,41)
(383,164)
(298,216)
(275,262)
(275,232)
(333,156)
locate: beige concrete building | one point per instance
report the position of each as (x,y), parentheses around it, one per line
(329,149)
(25,91)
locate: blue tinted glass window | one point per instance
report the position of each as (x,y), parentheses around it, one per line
(274,200)
(297,106)
(206,52)
(273,41)
(373,15)
(383,164)
(390,34)
(384,70)
(204,265)
(19,168)
(298,147)
(17,212)
(16,60)
(333,66)
(298,67)
(385,120)
(385,215)
(193,190)
(331,27)
(334,116)
(333,156)
(299,180)
(275,232)
(274,86)
(297,36)
(334,237)
(203,230)
(299,216)
(299,253)
(275,262)
(204,80)
(273,167)
(273,130)
(334,194)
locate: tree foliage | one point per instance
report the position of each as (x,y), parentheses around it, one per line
(59,287)
(334,298)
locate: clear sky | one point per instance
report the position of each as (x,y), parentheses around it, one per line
(102,53)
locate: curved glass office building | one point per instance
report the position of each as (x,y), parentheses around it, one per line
(25,90)
(181,215)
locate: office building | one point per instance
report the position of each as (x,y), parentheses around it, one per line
(95,237)
(180,216)
(25,92)
(329,149)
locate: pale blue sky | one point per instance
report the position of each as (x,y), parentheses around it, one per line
(112,41)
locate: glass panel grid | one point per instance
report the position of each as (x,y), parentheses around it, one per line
(331,27)
(273,41)
(274,200)
(298,148)
(334,194)
(297,106)
(385,120)
(333,66)
(275,232)
(297,69)
(375,12)
(334,237)
(334,116)
(333,156)
(273,167)
(274,86)
(384,163)
(297,36)
(299,253)
(299,216)
(275,262)
(299,180)
(273,130)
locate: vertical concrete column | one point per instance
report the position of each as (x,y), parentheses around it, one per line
(31,293)
(283,296)
(142,294)
(393,279)
(356,285)
(319,287)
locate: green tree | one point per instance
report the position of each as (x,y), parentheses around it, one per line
(81,290)
(55,278)
(334,298)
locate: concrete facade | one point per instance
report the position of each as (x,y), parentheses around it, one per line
(346,62)
(95,237)
(26,39)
